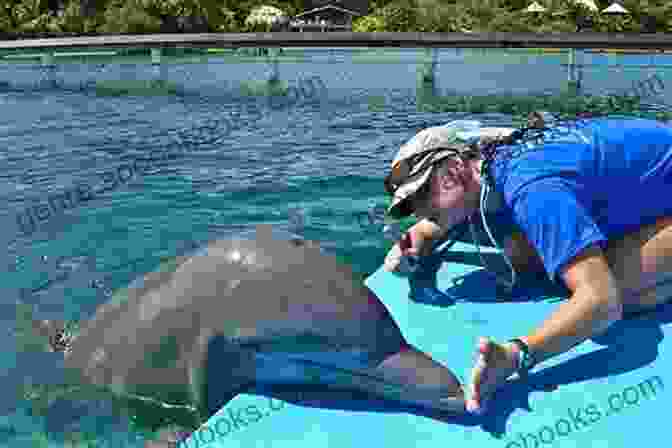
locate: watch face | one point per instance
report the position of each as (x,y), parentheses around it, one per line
(528,361)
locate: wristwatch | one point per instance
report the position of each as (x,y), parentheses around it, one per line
(526,360)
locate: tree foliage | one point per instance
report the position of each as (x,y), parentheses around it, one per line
(508,16)
(444,18)
(400,16)
(22,15)
(147,16)
(129,16)
(368,24)
(73,22)
(510,21)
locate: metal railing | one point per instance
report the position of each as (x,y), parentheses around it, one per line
(570,53)
(581,40)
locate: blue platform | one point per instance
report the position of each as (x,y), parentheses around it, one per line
(612,392)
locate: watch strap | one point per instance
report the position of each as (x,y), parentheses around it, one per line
(526,360)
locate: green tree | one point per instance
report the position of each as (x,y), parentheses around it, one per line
(616,24)
(129,16)
(444,18)
(227,22)
(150,16)
(242,9)
(482,14)
(661,12)
(72,21)
(513,5)
(400,16)
(9,20)
(23,15)
(368,24)
(507,21)
(556,26)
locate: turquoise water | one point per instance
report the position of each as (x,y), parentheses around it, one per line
(326,155)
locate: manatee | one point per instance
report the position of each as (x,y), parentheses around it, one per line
(264,316)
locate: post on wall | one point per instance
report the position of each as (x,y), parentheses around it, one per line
(273,56)
(49,67)
(157,64)
(574,70)
(426,89)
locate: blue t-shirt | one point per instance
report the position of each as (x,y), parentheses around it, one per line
(586,184)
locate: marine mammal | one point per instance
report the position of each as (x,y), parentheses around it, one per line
(261,315)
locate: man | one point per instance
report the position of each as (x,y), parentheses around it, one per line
(593,207)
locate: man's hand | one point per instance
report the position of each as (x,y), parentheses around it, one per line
(416,242)
(393,259)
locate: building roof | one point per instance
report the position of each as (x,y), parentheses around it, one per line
(359,6)
(324,8)
(615,8)
(535,7)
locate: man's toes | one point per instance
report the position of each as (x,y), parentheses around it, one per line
(480,369)
(473,407)
(485,353)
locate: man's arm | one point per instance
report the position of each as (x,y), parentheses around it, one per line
(516,246)
(521,253)
(596,302)
(563,231)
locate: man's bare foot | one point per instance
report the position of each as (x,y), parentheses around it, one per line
(495,363)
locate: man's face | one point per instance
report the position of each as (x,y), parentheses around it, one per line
(442,200)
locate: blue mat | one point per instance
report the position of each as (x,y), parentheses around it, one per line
(612,391)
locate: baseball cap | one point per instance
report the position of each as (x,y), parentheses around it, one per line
(415,160)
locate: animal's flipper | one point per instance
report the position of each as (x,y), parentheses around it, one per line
(413,377)
(218,371)
(407,379)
